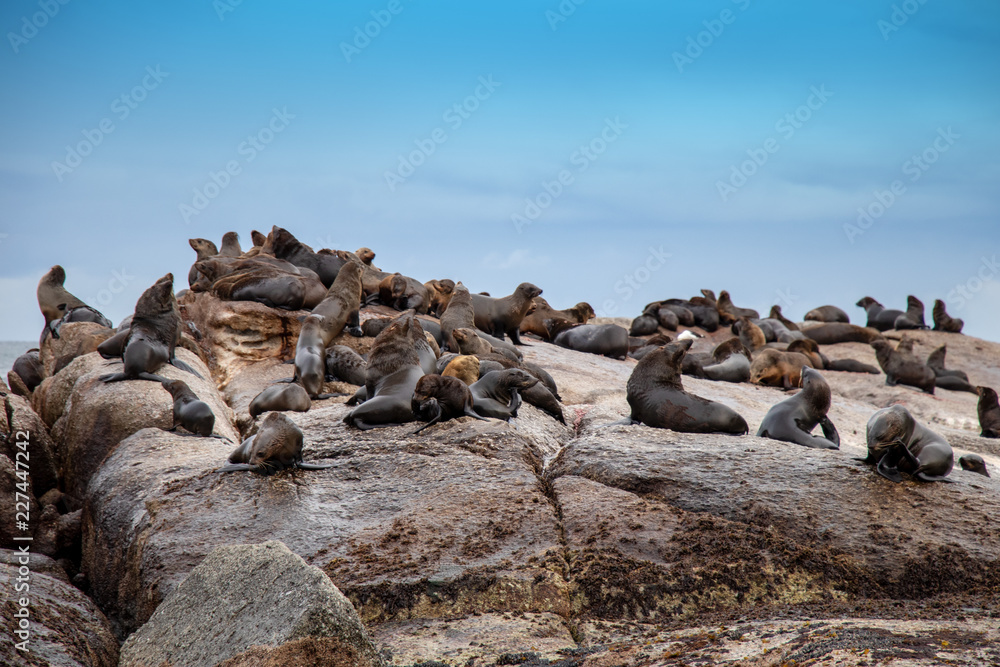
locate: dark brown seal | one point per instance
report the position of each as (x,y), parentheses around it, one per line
(341,306)
(878,317)
(793,419)
(647,323)
(658,399)
(903,368)
(438,398)
(280,397)
(58,306)
(943,321)
(726,308)
(609,340)
(264,284)
(459,314)
(194,415)
(504,315)
(840,332)
(283,245)
(276,446)
(776,314)
(974,463)
(827,314)
(730,362)
(988,410)
(497,394)
(345,364)
(29,368)
(463,366)
(897,443)
(913,318)
(534,321)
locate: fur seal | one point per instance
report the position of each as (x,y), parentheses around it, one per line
(953,380)
(793,419)
(471,341)
(776,368)
(534,321)
(59,306)
(440,398)
(751,335)
(29,368)
(205,249)
(896,442)
(827,314)
(276,446)
(465,367)
(341,306)
(683,315)
(257,238)
(280,397)
(725,306)
(810,348)
(459,314)
(283,245)
(704,312)
(440,291)
(878,317)
(647,323)
(372,327)
(504,315)
(264,284)
(404,293)
(913,318)
(903,368)
(841,332)
(310,357)
(657,397)
(497,393)
(343,363)
(366,255)
(776,314)
(974,463)
(943,321)
(730,362)
(609,340)
(152,335)
(231,245)
(988,410)
(193,414)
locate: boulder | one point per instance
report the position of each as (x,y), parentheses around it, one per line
(75,340)
(19,423)
(243,596)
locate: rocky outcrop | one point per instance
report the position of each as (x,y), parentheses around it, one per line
(75,340)
(244,596)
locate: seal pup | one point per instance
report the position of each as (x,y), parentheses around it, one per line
(152,336)
(725,307)
(897,443)
(280,397)
(343,363)
(439,398)
(463,366)
(58,306)
(189,412)
(497,393)
(988,410)
(504,315)
(913,318)
(459,314)
(878,317)
(731,362)
(903,368)
(609,340)
(974,463)
(657,397)
(793,419)
(777,368)
(827,314)
(943,321)
(276,446)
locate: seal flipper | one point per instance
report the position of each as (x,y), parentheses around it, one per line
(233,467)
(829,430)
(888,471)
(177,363)
(313,466)
(469,412)
(924,477)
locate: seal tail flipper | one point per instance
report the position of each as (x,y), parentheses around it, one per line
(924,477)
(469,412)
(113,377)
(152,377)
(320,397)
(233,467)
(313,466)
(177,363)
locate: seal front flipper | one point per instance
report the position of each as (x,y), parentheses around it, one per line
(177,363)
(887,470)
(233,467)
(829,431)
(313,466)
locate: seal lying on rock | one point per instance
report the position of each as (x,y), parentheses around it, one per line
(276,446)
(280,397)
(827,314)
(989,412)
(440,398)
(777,368)
(878,317)
(903,368)
(974,463)
(913,318)
(896,442)
(658,399)
(497,393)
(609,340)
(793,419)
(193,414)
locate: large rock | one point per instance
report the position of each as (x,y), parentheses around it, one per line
(66,627)
(244,596)
(452,521)
(20,424)
(75,340)
(99,415)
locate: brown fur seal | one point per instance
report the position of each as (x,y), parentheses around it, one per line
(152,335)
(465,367)
(900,368)
(810,348)
(189,412)
(276,446)
(913,318)
(658,399)
(29,368)
(534,321)
(725,307)
(283,245)
(205,249)
(943,321)
(989,412)
(953,380)
(730,362)
(793,419)
(896,442)
(705,314)
(776,314)
(264,284)
(497,394)
(878,317)
(404,293)
(750,334)
(609,340)
(231,245)
(471,341)
(840,332)
(440,292)
(775,368)
(503,316)
(684,316)
(366,255)
(459,314)
(974,463)
(344,364)
(341,306)
(280,397)
(258,238)
(439,398)
(59,306)
(827,314)
(310,357)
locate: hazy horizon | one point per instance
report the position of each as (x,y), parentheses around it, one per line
(798,155)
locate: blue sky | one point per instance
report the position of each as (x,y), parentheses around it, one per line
(666,146)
